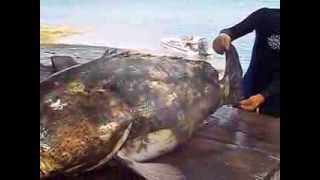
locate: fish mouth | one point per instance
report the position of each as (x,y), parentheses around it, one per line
(50,167)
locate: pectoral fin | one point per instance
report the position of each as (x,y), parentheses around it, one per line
(149,147)
(116,148)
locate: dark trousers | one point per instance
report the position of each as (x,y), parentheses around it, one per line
(271,106)
(252,85)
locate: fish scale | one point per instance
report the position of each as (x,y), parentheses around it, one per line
(115,107)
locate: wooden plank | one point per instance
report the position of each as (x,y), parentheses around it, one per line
(247,129)
(276,175)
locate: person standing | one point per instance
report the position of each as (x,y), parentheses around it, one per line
(261,83)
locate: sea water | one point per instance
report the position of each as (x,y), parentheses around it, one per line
(140,24)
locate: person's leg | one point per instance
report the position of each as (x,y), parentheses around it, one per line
(247,84)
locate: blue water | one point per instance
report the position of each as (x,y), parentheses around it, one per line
(142,23)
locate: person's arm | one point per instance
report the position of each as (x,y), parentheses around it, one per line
(246,26)
(223,41)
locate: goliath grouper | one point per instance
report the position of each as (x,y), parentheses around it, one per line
(128,105)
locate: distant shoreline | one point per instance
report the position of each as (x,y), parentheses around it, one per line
(53,33)
(67,45)
(61,45)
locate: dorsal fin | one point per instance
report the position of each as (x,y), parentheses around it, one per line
(62,62)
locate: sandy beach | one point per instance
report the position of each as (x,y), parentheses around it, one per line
(52,34)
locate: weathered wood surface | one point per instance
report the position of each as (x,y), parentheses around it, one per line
(233,145)
(276,175)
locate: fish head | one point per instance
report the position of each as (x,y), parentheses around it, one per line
(81,126)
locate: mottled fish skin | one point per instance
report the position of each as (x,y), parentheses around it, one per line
(85,110)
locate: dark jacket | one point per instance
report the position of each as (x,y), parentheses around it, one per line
(263,74)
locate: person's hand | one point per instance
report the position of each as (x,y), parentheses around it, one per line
(221,43)
(252,102)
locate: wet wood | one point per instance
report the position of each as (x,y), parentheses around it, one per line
(276,175)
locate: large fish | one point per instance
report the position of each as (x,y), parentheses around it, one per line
(127,104)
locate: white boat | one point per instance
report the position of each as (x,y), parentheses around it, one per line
(187,45)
